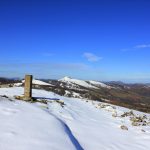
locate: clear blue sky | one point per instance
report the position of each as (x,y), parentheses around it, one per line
(87,39)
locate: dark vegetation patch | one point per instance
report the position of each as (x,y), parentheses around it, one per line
(8,80)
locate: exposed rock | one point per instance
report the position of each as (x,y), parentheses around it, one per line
(62,104)
(139,120)
(114,114)
(143,130)
(135,124)
(126,114)
(4,96)
(123,127)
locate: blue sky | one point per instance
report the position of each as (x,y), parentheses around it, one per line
(86,39)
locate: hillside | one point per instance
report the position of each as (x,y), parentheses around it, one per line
(69,123)
(134,96)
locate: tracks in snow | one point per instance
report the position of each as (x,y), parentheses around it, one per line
(69,133)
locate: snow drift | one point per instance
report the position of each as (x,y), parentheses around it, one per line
(68,124)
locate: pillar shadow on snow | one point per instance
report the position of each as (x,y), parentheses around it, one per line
(45,98)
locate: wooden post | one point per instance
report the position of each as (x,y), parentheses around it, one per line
(28,87)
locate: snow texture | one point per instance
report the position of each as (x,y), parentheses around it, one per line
(67,124)
(77,81)
(99,84)
(38,82)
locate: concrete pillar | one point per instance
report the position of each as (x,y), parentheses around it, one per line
(28,87)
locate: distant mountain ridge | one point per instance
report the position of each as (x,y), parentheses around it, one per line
(136,96)
(87,84)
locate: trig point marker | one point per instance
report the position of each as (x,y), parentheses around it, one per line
(28,87)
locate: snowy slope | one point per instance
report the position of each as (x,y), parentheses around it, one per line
(87,84)
(78,124)
(99,84)
(26,127)
(38,82)
(77,81)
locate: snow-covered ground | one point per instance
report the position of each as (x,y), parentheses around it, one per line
(68,124)
(38,82)
(100,84)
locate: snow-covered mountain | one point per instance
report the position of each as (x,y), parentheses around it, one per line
(87,84)
(69,124)
(72,83)
(99,84)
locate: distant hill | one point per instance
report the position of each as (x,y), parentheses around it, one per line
(4,80)
(136,96)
